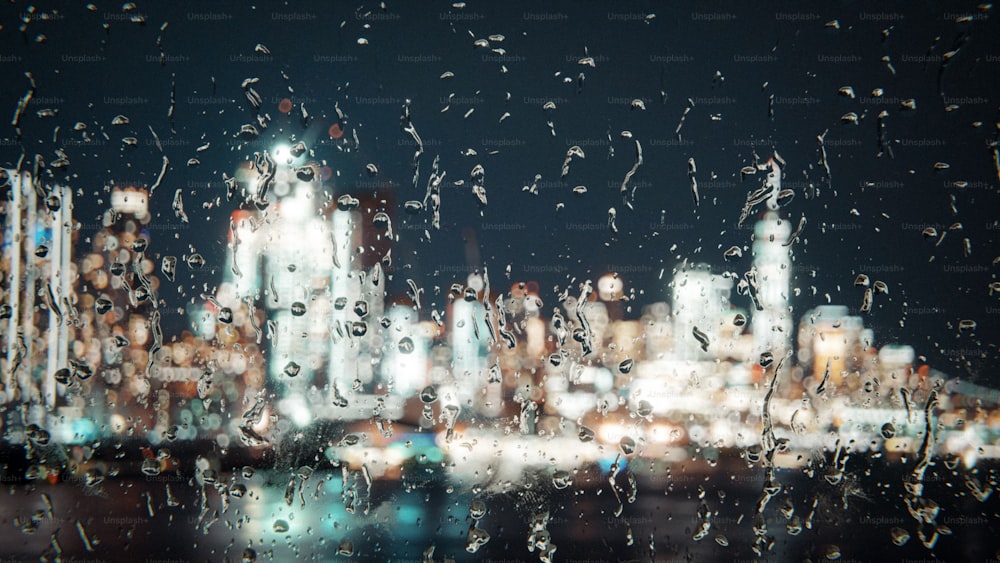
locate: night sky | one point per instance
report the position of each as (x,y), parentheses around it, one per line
(865,217)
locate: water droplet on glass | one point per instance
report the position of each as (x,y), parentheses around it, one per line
(428,395)
(151,466)
(766,359)
(585,434)
(346,548)
(477,510)
(644,409)
(888,430)
(195,261)
(899,536)
(237,490)
(476,539)
(627,445)
(361,308)
(405,345)
(626,365)
(292,369)
(103,305)
(62,376)
(280,526)
(359,328)
(298,309)
(562,479)
(740,319)
(53,202)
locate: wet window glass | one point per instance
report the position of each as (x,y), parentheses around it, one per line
(413,281)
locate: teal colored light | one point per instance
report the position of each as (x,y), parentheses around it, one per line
(84,430)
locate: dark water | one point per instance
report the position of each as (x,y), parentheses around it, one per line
(401,520)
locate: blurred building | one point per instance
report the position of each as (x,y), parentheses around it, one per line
(700,301)
(313,269)
(772,322)
(38,289)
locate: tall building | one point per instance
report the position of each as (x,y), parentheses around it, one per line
(700,301)
(38,276)
(772,322)
(316,273)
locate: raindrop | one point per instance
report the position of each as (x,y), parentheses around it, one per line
(306,173)
(644,409)
(899,536)
(740,319)
(53,202)
(585,434)
(888,430)
(405,345)
(347,202)
(359,328)
(298,309)
(428,395)
(562,479)
(42,251)
(361,308)
(103,305)
(151,466)
(195,261)
(169,266)
(62,376)
(627,445)
(292,369)
(966,325)
(280,526)
(733,253)
(413,207)
(626,365)
(139,245)
(225,315)
(237,490)
(346,547)
(477,510)
(766,359)
(476,539)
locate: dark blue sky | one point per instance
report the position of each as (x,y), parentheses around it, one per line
(867,217)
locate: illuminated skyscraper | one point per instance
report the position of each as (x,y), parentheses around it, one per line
(311,266)
(772,322)
(700,301)
(36,217)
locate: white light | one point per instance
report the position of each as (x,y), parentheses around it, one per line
(282,154)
